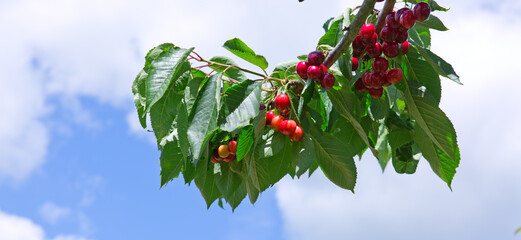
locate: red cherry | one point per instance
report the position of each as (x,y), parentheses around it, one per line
(232,147)
(214,160)
(230,158)
(405,47)
(394,75)
(388,34)
(370,41)
(366,81)
(386,83)
(374,51)
(328,81)
(407,19)
(323,68)
(269,117)
(302,69)
(422,11)
(283,125)
(371,80)
(297,134)
(316,58)
(390,21)
(379,79)
(399,13)
(357,43)
(391,49)
(354,64)
(357,53)
(401,29)
(366,31)
(287,127)
(276,121)
(402,37)
(282,102)
(380,64)
(315,73)
(262,106)
(376,92)
(359,86)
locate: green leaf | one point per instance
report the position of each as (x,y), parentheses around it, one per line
(203,117)
(303,154)
(240,105)
(421,71)
(182,128)
(420,35)
(326,24)
(518,231)
(436,7)
(227,180)
(333,36)
(285,70)
(406,158)
(334,159)
(165,65)
(330,38)
(240,49)
(205,179)
(233,73)
(439,65)
(164,112)
(171,162)
(383,147)
(434,132)
(346,133)
(191,91)
(305,97)
(259,123)
(434,23)
(269,163)
(379,108)
(346,104)
(139,91)
(245,142)
(253,192)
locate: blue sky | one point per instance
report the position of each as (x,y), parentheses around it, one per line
(75,165)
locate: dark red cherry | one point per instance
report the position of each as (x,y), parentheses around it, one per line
(422,11)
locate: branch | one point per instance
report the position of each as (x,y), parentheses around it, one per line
(388,8)
(365,10)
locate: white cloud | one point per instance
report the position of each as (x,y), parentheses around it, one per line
(69,237)
(14,227)
(18,228)
(52,213)
(485,201)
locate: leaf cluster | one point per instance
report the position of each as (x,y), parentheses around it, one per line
(192,112)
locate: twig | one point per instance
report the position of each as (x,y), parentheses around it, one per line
(388,8)
(366,9)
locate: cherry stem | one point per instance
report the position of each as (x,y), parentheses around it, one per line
(388,8)
(365,10)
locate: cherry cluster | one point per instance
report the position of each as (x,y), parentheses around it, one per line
(394,37)
(315,70)
(287,127)
(225,152)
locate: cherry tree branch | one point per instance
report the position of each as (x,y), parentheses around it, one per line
(365,10)
(388,8)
